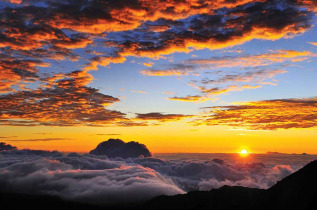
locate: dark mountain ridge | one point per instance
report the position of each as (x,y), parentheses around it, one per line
(297,191)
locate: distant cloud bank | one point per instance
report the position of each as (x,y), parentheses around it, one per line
(103,180)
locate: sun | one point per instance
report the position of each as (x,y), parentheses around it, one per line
(244,152)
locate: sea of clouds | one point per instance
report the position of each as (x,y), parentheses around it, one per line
(101,180)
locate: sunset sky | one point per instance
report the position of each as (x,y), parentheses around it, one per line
(183,76)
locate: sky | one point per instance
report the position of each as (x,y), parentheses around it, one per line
(180,76)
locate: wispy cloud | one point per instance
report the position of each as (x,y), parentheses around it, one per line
(43,139)
(7,137)
(228,80)
(157,116)
(139,91)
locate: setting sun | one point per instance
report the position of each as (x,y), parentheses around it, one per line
(244,152)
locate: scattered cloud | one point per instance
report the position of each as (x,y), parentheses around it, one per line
(249,78)
(33,38)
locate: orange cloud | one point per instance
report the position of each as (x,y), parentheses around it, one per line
(148,64)
(313,43)
(265,115)
(103,61)
(139,91)
(230,88)
(99,17)
(16,72)
(16,1)
(73,43)
(65,101)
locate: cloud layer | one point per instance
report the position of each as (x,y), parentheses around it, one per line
(101,180)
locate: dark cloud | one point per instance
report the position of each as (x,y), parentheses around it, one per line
(44,139)
(7,137)
(265,115)
(161,117)
(28,155)
(107,134)
(6,147)
(42,133)
(118,148)
(222,28)
(175,25)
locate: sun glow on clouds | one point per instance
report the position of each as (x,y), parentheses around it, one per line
(102,180)
(42,50)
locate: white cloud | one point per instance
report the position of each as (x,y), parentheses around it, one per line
(98,179)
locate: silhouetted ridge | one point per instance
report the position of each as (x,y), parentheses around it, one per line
(297,191)
(118,148)
(223,198)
